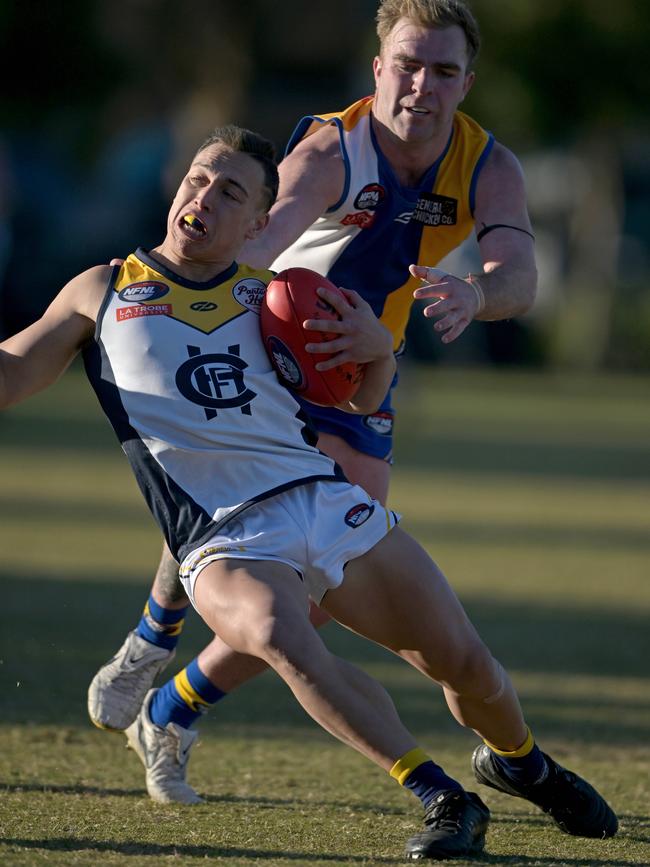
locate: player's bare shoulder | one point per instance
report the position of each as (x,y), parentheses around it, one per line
(315,163)
(85,293)
(502,172)
(500,189)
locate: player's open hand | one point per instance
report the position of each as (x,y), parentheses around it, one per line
(458,301)
(357,336)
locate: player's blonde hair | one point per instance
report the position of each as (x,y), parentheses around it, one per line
(430,13)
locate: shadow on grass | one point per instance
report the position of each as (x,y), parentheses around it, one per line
(248,800)
(71,844)
(57,633)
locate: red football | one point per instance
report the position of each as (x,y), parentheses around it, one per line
(290,299)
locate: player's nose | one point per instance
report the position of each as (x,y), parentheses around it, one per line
(423,81)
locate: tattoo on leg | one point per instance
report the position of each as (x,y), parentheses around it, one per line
(167,581)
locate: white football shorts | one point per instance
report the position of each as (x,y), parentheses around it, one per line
(316,529)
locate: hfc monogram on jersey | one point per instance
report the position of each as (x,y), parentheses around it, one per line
(215,381)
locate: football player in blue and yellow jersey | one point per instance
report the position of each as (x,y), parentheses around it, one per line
(261,520)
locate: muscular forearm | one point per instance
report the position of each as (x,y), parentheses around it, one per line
(374,387)
(507,290)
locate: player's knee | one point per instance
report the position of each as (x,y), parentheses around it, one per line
(472,670)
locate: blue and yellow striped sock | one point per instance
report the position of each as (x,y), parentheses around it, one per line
(417,772)
(525,765)
(161,626)
(184,698)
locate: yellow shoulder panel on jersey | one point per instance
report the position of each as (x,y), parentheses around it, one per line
(349,117)
(140,285)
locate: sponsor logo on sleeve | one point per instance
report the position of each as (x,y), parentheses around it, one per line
(359,514)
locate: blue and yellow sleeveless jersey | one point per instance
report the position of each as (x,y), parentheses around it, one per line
(367,240)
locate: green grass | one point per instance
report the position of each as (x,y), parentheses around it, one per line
(533,494)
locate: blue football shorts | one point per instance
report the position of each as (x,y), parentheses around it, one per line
(370,434)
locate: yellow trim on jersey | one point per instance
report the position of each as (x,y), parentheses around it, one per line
(453,179)
(193,307)
(187,692)
(521,751)
(405,766)
(349,117)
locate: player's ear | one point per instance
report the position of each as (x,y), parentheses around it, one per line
(377,67)
(257,226)
(469,81)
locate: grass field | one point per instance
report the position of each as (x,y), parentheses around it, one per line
(531,491)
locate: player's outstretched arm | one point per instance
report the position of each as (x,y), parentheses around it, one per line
(508,283)
(36,357)
(361,338)
(312,177)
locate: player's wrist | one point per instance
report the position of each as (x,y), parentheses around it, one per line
(474,282)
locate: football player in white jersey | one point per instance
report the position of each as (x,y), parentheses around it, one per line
(422,73)
(250,572)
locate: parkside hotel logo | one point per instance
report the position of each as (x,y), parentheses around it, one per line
(249,293)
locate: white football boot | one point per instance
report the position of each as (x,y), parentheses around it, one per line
(116,692)
(164,754)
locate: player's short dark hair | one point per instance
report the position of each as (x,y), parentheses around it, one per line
(431,13)
(247,142)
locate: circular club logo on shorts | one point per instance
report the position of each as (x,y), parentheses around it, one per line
(284,362)
(380,423)
(359,514)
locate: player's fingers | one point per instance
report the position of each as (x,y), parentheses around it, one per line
(431,290)
(429,273)
(119,262)
(330,326)
(455,331)
(325,347)
(335,299)
(354,298)
(330,363)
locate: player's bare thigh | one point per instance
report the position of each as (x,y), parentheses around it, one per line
(396,595)
(244,601)
(372,474)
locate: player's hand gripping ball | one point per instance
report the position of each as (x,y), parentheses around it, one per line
(290,299)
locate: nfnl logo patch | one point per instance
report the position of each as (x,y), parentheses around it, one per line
(380,423)
(433,210)
(369,197)
(358,515)
(147,290)
(123,313)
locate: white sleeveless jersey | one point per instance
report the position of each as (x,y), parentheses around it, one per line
(181,372)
